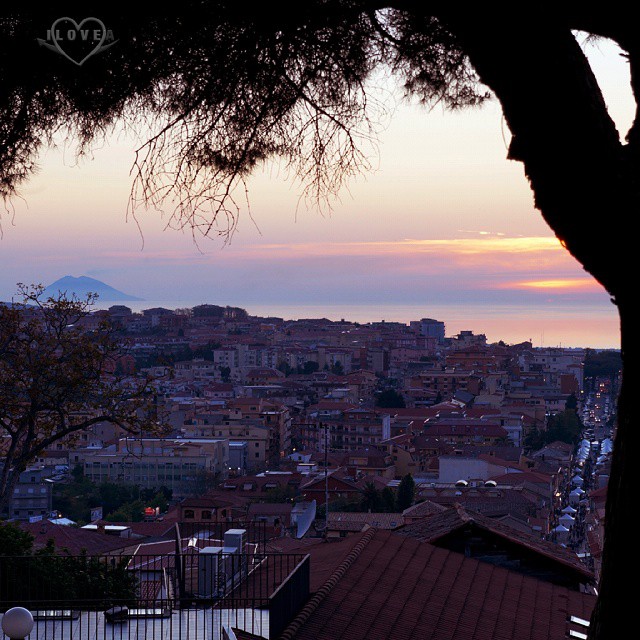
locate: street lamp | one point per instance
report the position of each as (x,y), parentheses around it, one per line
(17,623)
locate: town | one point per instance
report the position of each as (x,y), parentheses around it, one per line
(333,440)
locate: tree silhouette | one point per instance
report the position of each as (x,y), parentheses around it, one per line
(370,498)
(218,90)
(406,492)
(390,398)
(56,379)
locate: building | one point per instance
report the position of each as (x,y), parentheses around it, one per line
(31,498)
(466,431)
(179,464)
(430,328)
(445,383)
(343,427)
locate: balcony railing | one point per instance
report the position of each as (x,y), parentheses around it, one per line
(192,593)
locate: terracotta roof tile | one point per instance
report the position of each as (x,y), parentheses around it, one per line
(440,525)
(75,540)
(399,587)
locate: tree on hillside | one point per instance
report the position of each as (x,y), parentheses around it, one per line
(56,380)
(223,89)
(602,364)
(310,367)
(406,492)
(370,498)
(34,576)
(337,368)
(285,367)
(564,426)
(14,541)
(390,398)
(388,500)
(572,402)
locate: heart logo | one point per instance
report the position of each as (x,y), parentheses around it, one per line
(78,36)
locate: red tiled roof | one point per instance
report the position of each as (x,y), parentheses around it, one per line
(269,508)
(458,429)
(520,477)
(75,540)
(394,587)
(418,412)
(355,521)
(423,509)
(338,405)
(437,526)
(258,482)
(379,482)
(153,529)
(595,543)
(325,555)
(206,501)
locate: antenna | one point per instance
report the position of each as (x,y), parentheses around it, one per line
(326,481)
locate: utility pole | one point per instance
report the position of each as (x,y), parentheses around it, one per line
(326,482)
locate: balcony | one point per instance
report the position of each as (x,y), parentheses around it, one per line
(199,587)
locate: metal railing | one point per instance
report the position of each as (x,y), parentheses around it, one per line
(192,593)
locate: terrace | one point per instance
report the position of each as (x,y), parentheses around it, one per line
(201,585)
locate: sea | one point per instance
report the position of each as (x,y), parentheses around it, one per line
(569,325)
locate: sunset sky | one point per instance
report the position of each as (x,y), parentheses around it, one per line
(443,227)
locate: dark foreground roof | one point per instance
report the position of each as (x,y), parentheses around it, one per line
(391,586)
(456,518)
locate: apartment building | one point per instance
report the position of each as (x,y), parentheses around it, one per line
(176,463)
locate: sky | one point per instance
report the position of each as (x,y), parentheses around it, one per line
(444,226)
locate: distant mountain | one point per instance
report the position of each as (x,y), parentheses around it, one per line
(83,285)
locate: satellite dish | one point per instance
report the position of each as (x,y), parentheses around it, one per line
(305,519)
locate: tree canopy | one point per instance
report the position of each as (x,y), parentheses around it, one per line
(602,364)
(406,492)
(390,398)
(32,577)
(57,379)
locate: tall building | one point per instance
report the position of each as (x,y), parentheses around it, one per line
(430,328)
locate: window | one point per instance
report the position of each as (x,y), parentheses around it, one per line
(206,515)
(189,514)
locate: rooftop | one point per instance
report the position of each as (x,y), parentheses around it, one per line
(391,586)
(437,527)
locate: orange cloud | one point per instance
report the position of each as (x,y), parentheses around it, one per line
(495,257)
(560,284)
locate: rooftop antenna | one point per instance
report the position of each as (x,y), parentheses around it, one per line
(326,482)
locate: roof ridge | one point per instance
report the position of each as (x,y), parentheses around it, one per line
(325,589)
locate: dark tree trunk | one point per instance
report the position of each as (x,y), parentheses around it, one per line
(614,614)
(585,183)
